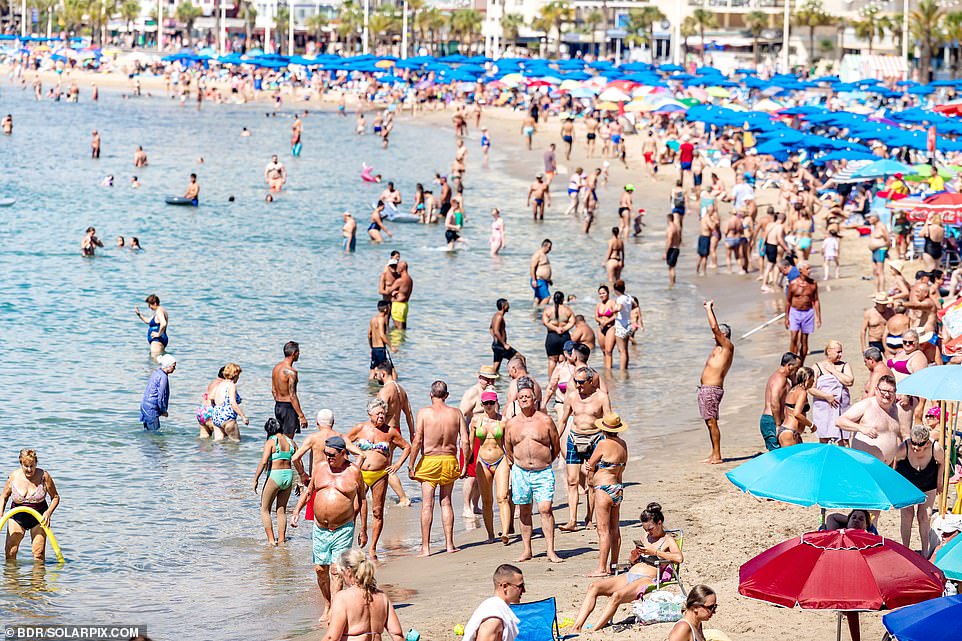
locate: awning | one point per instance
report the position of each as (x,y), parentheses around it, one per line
(883,67)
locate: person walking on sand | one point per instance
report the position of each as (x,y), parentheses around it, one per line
(605,470)
(776,388)
(539,197)
(439,433)
(500,348)
(672,247)
(804,311)
(287,407)
(531,444)
(712,385)
(378,339)
(337,495)
(493,620)
(540,276)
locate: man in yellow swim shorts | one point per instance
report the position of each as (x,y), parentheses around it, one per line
(401,290)
(440,430)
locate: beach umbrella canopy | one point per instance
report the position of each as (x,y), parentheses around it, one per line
(840,570)
(825,475)
(925,171)
(881,168)
(613,94)
(607,106)
(935,620)
(949,558)
(718,92)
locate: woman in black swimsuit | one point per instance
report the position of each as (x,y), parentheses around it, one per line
(920,461)
(559,319)
(796,407)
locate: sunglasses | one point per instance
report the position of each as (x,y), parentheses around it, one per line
(919,445)
(908,342)
(581,382)
(519,586)
(713,608)
(331,454)
(489,402)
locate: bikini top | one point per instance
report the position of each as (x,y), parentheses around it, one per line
(382,447)
(603,465)
(804,409)
(36,495)
(901,367)
(279,454)
(481,431)
(606,312)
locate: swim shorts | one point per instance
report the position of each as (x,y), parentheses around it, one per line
(698,179)
(531,486)
(709,398)
(801,320)
(502,354)
(671,256)
(399,312)
(878,255)
(379,355)
(541,289)
(350,243)
(438,469)
(327,545)
(529,131)
(581,447)
(877,345)
(591,136)
(686,166)
(766,425)
(771,253)
(450,236)
(704,246)
(567,139)
(286,415)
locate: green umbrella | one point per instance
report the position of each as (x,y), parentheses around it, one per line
(689,102)
(926,170)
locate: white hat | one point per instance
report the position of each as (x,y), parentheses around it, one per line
(166,360)
(325,417)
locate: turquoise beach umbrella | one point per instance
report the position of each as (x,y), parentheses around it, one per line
(949,559)
(934,383)
(825,475)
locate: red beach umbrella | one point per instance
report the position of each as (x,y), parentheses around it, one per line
(840,570)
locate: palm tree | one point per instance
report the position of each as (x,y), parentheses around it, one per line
(687,30)
(893,25)
(757,22)
(315,24)
(281,24)
(414,7)
(130,11)
(437,23)
(248,13)
(382,25)
(466,23)
(953,33)
(924,22)
(555,14)
(811,15)
(187,14)
(511,24)
(592,20)
(71,16)
(644,20)
(704,19)
(870,27)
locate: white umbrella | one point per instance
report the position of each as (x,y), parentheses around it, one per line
(614,95)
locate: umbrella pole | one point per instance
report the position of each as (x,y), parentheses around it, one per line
(946,446)
(838,625)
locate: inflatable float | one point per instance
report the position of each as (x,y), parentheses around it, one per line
(7,202)
(23,509)
(392,215)
(367,174)
(180,200)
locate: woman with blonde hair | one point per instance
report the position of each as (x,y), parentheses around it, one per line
(796,407)
(224,406)
(830,395)
(29,487)
(700,606)
(360,611)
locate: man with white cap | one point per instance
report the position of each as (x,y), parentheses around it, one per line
(314,443)
(157,394)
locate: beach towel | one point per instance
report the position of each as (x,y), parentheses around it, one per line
(823,414)
(494,607)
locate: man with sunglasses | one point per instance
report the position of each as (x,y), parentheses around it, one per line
(585,403)
(531,444)
(338,493)
(494,620)
(875,421)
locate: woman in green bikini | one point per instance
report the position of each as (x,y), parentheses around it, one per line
(278,451)
(492,470)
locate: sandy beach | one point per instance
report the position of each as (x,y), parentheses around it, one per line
(723,528)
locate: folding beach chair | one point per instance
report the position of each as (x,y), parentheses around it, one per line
(673,568)
(539,620)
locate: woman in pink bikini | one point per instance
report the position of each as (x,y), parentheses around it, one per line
(605,317)
(29,487)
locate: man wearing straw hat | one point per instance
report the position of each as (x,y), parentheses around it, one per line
(874,321)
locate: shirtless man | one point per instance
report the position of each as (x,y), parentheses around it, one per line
(518,369)
(314,445)
(378,339)
(500,347)
(338,494)
(585,402)
(398,403)
(287,407)
(875,364)
(774,240)
(401,295)
(349,232)
(590,196)
(538,197)
(591,133)
(706,230)
(875,420)
(550,163)
(582,333)
(540,273)
(528,126)
(95,145)
(568,136)
(90,243)
(7,125)
(624,210)
(275,175)
(531,444)
(391,195)
(712,386)
(672,245)
(879,243)
(775,390)
(648,149)
(804,311)
(874,321)
(192,193)
(388,275)
(440,432)
(140,157)
(923,305)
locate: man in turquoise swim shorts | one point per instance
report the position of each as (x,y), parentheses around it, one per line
(337,496)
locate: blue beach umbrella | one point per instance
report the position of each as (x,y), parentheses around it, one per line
(949,559)
(934,383)
(825,475)
(933,620)
(884,167)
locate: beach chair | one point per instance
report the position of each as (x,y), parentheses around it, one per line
(673,568)
(539,620)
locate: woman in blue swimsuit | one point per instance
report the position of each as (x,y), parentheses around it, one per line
(278,451)
(156,325)
(224,407)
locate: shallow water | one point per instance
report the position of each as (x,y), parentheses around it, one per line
(163,530)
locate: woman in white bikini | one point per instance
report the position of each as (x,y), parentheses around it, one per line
(361,612)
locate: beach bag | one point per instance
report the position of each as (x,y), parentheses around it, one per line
(660,606)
